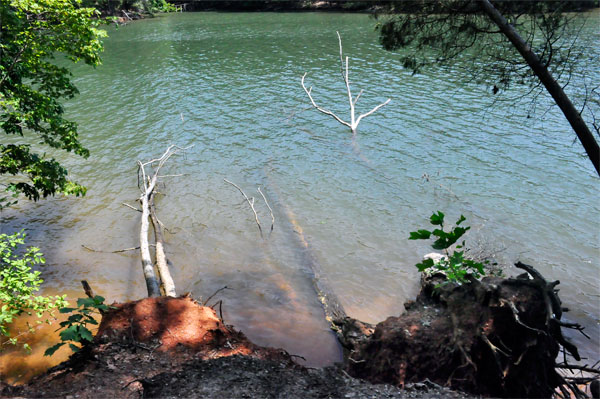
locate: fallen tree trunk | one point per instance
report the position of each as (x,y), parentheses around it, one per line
(147,185)
(152,284)
(332,307)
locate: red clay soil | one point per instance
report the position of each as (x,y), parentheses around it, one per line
(176,348)
(166,324)
(139,340)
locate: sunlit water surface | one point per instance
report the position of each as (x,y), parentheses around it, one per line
(229,84)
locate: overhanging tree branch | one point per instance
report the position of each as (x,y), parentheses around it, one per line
(556,91)
(540,44)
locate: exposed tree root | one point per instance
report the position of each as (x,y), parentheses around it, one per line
(496,337)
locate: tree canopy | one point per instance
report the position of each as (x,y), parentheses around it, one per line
(501,42)
(33,33)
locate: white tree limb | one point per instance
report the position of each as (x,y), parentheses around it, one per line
(353,124)
(372,111)
(326,112)
(251,203)
(268,206)
(161,257)
(148,184)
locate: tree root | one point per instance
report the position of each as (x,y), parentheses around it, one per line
(495,337)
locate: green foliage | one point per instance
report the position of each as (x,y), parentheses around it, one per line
(114,7)
(74,329)
(454,265)
(161,6)
(32,34)
(19,282)
(440,32)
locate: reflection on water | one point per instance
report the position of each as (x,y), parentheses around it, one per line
(230,85)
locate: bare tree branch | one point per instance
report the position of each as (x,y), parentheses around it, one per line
(353,124)
(251,203)
(270,210)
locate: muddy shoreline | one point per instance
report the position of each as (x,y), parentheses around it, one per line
(498,337)
(175,347)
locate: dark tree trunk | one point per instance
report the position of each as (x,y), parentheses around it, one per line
(583,132)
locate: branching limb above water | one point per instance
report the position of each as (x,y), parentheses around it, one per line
(353,124)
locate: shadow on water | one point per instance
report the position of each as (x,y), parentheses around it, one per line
(271,311)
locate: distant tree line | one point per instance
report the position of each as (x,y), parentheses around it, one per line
(341,5)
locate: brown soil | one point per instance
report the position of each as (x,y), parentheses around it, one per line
(171,324)
(498,337)
(176,348)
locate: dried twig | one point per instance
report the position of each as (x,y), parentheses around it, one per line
(113,252)
(215,293)
(587,369)
(268,206)
(251,203)
(130,206)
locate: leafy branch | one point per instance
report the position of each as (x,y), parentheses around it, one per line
(74,328)
(455,265)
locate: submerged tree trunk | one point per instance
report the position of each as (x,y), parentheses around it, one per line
(581,129)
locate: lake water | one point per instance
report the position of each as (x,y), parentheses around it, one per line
(229,84)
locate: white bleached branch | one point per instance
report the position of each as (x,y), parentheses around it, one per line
(353,124)
(250,202)
(270,209)
(148,184)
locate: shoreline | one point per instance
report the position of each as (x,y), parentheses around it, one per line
(444,345)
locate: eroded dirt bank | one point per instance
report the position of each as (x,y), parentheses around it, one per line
(498,337)
(174,347)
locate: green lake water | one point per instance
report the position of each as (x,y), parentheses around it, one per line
(229,84)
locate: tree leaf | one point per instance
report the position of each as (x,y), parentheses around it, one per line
(419,235)
(70,334)
(85,302)
(50,351)
(437,219)
(85,334)
(74,348)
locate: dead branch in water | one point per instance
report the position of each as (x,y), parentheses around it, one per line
(147,184)
(131,206)
(113,252)
(215,293)
(353,124)
(270,209)
(251,203)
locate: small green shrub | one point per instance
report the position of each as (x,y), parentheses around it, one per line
(454,265)
(74,328)
(19,282)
